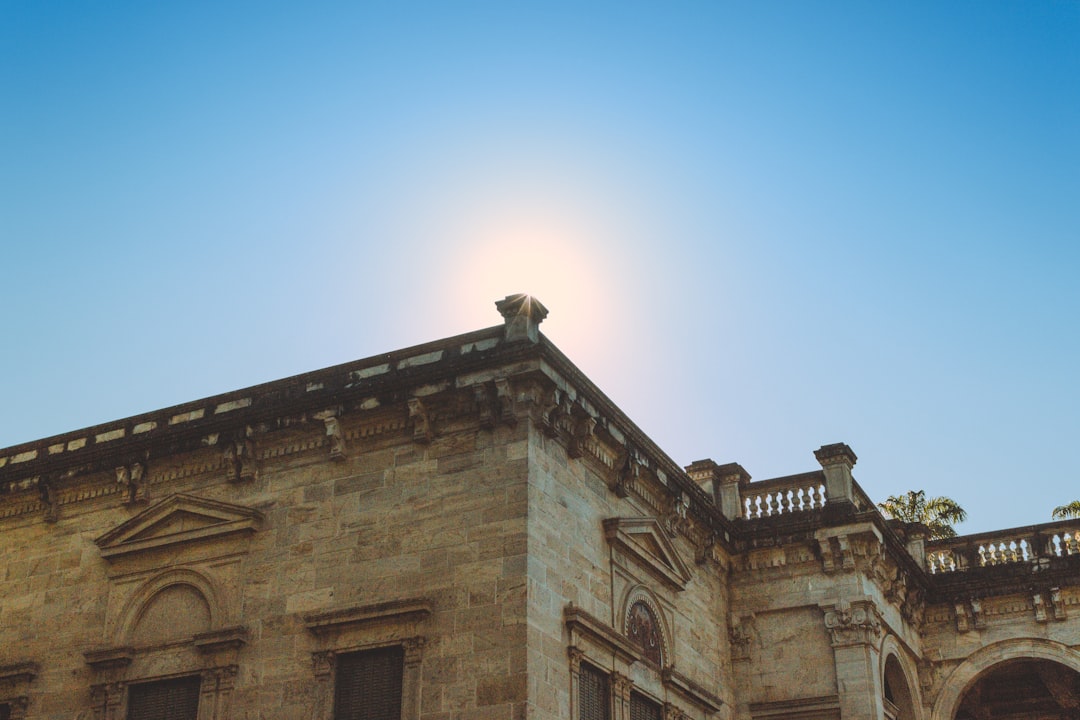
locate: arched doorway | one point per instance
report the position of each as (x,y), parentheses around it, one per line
(899,704)
(1023,689)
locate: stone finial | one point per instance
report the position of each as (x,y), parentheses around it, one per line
(522,314)
(837,460)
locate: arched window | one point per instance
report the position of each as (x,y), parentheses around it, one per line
(642,629)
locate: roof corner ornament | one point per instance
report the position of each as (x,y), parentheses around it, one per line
(522,315)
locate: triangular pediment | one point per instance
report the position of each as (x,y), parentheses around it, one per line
(179,519)
(643,540)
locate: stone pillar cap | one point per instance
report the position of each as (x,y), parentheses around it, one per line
(522,315)
(834,454)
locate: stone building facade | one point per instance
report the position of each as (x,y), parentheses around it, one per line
(470,529)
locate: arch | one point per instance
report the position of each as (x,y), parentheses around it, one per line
(897,667)
(143,597)
(966,673)
(640,598)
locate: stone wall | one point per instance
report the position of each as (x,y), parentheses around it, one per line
(441,523)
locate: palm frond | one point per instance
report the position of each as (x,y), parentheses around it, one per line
(1069,510)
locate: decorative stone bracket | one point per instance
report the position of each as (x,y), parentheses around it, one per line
(495,403)
(969,615)
(240,457)
(130,479)
(334,434)
(857,623)
(841,546)
(1056,605)
(423,432)
(50,499)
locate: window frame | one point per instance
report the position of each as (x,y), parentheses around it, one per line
(369,627)
(399,660)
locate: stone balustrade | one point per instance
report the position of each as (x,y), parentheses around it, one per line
(1000,547)
(794,493)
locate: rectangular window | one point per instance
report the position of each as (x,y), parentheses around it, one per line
(5,711)
(176,699)
(642,708)
(368,684)
(594,695)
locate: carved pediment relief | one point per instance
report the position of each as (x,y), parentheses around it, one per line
(643,540)
(179,519)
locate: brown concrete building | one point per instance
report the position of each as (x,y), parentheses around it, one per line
(470,529)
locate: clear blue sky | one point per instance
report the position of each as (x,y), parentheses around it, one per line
(759,227)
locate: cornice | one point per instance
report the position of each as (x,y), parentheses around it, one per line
(397,611)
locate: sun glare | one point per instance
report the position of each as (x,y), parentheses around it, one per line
(551,261)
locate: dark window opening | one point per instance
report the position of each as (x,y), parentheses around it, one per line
(594,696)
(368,684)
(176,699)
(642,708)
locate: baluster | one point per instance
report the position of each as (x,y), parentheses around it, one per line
(821,496)
(1072,545)
(769,502)
(789,501)
(1055,545)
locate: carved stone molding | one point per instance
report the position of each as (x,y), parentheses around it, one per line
(698,695)
(231,638)
(642,540)
(109,658)
(178,520)
(856,624)
(582,624)
(398,611)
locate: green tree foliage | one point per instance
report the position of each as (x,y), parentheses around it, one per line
(1064,512)
(937,513)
